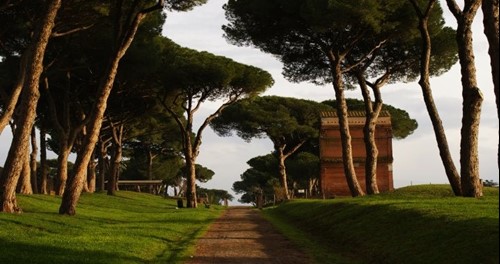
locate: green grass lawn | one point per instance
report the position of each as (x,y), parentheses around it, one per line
(416,224)
(127,228)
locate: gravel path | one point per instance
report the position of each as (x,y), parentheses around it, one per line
(242,235)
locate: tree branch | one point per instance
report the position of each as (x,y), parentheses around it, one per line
(294,149)
(71,31)
(366,56)
(209,119)
(454,8)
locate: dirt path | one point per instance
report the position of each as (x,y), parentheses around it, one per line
(241,235)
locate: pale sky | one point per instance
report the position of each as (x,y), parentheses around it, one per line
(416,158)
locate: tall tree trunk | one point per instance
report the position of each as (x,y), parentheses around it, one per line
(190,158)
(371,149)
(491,27)
(66,131)
(149,171)
(372,113)
(71,196)
(30,95)
(191,198)
(112,174)
(280,146)
(282,172)
(116,158)
(85,185)
(345,135)
(25,184)
(43,160)
(424,82)
(33,164)
(100,167)
(150,163)
(371,154)
(11,102)
(62,167)
(472,99)
(91,175)
(102,163)
(191,148)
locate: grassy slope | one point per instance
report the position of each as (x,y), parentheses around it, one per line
(417,224)
(127,228)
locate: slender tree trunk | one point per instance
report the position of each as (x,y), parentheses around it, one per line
(491,27)
(85,185)
(260,198)
(282,171)
(71,197)
(190,157)
(33,164)
(91,174)
(371,116)
(149,171)
(191,148)
(116,158)
(66,132)
(150,163)
(43,160)
(372,151)
(111,185)
(191,198)
(100,167)
(424,82)
(472,99)
(25,184)
(11,101)
(102,163)
(345,135)
(371,155)
(30,95)
(62,167)
(279,146)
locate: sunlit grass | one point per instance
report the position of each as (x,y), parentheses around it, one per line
(417,224)
(126,228)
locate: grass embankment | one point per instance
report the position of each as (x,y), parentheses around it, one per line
(416,224)
(126,228)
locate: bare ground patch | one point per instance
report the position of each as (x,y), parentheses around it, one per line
(242,235)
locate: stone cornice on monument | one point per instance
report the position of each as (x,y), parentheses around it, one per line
(330,118)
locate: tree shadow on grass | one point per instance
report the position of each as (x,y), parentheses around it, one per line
(16,252)
(176,249)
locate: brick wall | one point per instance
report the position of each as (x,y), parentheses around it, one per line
(333,181)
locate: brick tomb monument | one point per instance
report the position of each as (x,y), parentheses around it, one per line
(333,181)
